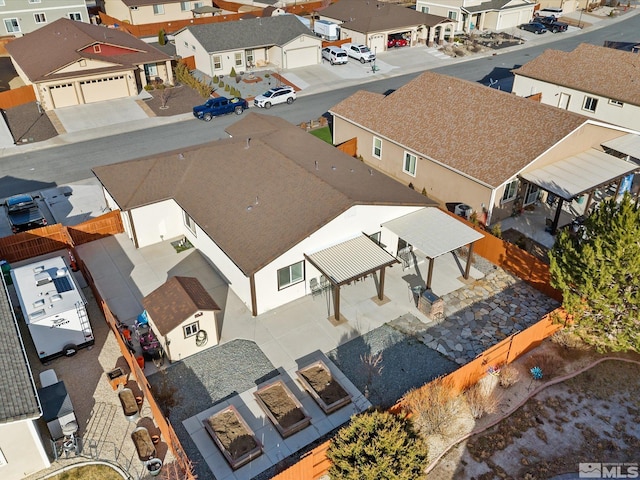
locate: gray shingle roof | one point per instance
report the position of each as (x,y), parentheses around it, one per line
(496,5)
(18,393)
(293,183)
(250,33)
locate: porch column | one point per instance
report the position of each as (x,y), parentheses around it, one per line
(143,76)
(441,35)
(381,286)
(618,188)
(254,300)
(432,34)
(481,21)
(556,218)
(169,72)
(429,274)
(588,204)
(468,266)
(336,302)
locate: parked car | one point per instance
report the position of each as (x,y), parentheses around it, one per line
(552,24)
(396,41)
(535,27)
(335,55)
(284,94)
(23,213)
(359,52)
(220,106)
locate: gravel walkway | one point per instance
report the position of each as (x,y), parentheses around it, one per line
(406,363)
(207,378)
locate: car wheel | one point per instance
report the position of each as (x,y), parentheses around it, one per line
(239,110)
(267,105)
(555,30)
(207,117)
(362,60)
(70,350)
(332,62)
(290,100)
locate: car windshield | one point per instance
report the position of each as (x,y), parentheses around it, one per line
(340,54)
(269,93)
(364,49)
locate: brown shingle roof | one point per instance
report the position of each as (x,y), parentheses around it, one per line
(607,72)
(257,202)
(370,16)
(66,38)
(176,300)
(484,133)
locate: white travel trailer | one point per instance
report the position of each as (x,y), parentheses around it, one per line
(53,307)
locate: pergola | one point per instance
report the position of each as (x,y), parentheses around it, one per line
(628,144)
(574,176)
(349,261)
(434,233)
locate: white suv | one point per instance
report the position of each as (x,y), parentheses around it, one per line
(274,96)
(335,55)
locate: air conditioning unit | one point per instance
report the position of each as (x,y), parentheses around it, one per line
(463,210)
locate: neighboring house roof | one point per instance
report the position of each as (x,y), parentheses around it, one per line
(484,133)
(370,16)
(68,38)
(607,72)
(176,300)
(141,3)
(496,5)
(256,197)
(19,398)
(253,32)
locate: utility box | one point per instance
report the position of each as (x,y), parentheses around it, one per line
(53,308)
(326,30)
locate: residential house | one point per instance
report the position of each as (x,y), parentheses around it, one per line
(281,41)
(89,63)
(24,16)
(459,141)
(597,82)
(140,12)
(471,15)
(257,204)
(22,450)
(371,23)
(182,314)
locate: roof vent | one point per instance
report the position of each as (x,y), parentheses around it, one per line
(42,278)
(257,201)
(316,163)
(38,269)
(55,298)
(61,272)
(180,156)
(37,314)
(370,172)
(333,167)
(38,303)
(249,208)
(248,142)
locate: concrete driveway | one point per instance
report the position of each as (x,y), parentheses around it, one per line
(101,114)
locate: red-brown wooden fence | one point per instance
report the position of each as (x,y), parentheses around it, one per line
(17,96)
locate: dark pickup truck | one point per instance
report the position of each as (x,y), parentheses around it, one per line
(23,213)
(552,24)
(215,107)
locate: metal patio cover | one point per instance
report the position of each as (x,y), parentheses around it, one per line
(628,144)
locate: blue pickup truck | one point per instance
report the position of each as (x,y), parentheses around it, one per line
(23,213)
(215,107)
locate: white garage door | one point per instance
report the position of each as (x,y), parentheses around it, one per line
(377,43)
(509,20)
(63,95)
(106,88)
(301,57)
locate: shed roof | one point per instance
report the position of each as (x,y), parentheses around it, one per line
(602,71)
(259,193)
(176,300)
(481,132)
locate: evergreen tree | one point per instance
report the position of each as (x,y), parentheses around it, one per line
(598,271)
(377,446)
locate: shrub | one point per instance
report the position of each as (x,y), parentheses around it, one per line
(549,363)
(568,339)
(148,87)
(424,191)
(162,38)
(481,401)
(215,79)
(496,230)
(227,88)
(377,445)
(266,75)
(221,84)
(233,72)
(509,376)
(435,406)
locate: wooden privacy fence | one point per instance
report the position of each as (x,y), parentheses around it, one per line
(312,465)
(17,96)
(350,147)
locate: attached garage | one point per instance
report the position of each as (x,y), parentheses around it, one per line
(509,20)
(63,95)
(107,88)
(301,57)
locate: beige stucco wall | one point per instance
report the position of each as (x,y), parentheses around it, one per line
(144,13)
(22,449)
(158,222)
(86,65)
(178,347)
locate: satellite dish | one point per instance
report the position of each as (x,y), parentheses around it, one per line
(201,338)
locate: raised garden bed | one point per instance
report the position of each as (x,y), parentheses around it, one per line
(283,409)
(233,437)
(144,445)
(129,404)
(323,388)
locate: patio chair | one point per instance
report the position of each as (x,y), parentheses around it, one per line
(315,287)
(324,283)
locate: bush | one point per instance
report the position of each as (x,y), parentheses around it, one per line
(435,406)
(549,363)
(215,79)
(480,401)
(227,88)
(162,38)
(496,230)
(266,75)
(221,84)
(148,87)
(568,339)
(509,376)
(377,445)
(233,72)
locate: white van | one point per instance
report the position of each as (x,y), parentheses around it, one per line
(335,55)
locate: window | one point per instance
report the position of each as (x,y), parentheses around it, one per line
(424,9)
(377,147)
(238,59)
(403,246)
(590,104)
(75,16)
(158,9)
(185,6)
(533,191)
(217,62)
(188,221)
(617,103)
(40,18)
(248,54)
(197,4)
(96,49)
(510,191)
(12,25)
(409,165)
(290,275)
(453,15)
(191,329)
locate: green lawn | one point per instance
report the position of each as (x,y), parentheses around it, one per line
(323,134)
(89,472)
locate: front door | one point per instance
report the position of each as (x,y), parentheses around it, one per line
(533,192)
(564,101)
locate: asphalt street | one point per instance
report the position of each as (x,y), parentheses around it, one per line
(38,169)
